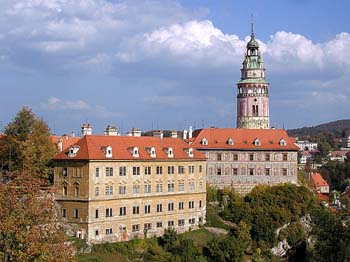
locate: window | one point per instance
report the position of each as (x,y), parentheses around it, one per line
(218,157)
(171,187)
(181,169)
(235,157)
(191,204)
(251,157)
(96,213)
(159,170)
(97,172)
(171,170)
(200,168)
(109,191)
(135,170)
(147,226)
(159,224)
(109,212)
(170,206)
(181,205)
(97,191)
(122,190)
(109,171)
(235,171)
(122,211)
(284,171)
(200,203)
(109,231)
(191,221)
(147,209)
(147,188)
(251,171)
(267,171)
(122,171)
(65,172)
(200,185)
(218,171)
(170,223)
(159,188)
(148,170)
(136,228)
(181,186)
(181,222)
(285,157)
(136,210)
(191,185)
(75,213)
(267,157)
(96,232)
(64,212)
(159,208)
(136,189)
(65,189)
(191,169)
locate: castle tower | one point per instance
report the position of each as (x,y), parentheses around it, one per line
(253,90)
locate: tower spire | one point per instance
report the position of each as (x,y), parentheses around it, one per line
(252,25)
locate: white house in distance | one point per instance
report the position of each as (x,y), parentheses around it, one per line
(320,184)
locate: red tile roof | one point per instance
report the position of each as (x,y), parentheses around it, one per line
(318,180)
(67,141)
(243,139)
(91,148)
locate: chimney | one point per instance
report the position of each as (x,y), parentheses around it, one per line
(173,134)
(158,133)
(86,129)
(134,132)
(72,134)
(111,131)
(190,131)
(185,134)
(60,145)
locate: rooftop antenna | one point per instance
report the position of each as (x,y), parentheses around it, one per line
(252,25)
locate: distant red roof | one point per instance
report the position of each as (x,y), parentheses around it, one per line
(67,141)
(247,139)
(91,147)
(318,180)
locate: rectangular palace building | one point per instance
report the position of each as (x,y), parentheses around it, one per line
(115,188)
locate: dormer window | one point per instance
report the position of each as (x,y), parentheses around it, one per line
(190,152)
(257,142)
(283,142)
(170,152)
(135,152)
(73,150)
(230,141)
(153,152)
(109,151)
(204,142)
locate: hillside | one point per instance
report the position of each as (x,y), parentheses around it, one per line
(335,127)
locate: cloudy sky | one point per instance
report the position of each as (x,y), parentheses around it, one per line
(170,64)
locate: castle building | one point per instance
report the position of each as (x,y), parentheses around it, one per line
(115,188)
(253,90)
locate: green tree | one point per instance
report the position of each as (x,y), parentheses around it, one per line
(27,145)
(29,229)
(229,249)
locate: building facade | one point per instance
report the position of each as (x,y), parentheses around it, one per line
(115,188)
(253,90)
(244,158)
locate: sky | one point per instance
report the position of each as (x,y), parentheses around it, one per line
(170,64)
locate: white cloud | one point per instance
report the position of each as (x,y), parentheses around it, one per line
(79,107)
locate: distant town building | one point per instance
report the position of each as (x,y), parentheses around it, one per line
(305,145)
(338,155)
(319,183)
(115,188)
(305,157)
(244,158)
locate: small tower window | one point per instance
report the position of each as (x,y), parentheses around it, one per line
(204,142)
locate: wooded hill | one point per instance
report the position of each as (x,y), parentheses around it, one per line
(336,127)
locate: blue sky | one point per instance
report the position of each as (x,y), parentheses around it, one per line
(170,64)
